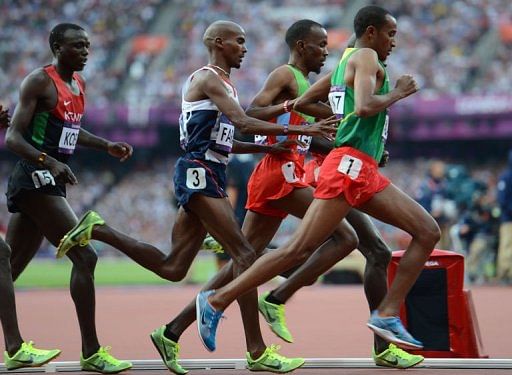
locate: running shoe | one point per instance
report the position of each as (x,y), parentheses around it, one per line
(212,245)
(274,316)
(207,320)
(102,361)
(80,234)
(28,356)
(272,361)
(395,357)
(392,330)
(168,350)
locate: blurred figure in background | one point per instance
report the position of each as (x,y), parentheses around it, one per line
(504,264)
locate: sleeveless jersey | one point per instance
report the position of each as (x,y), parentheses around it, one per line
(205,132)
(292,118)
(366,134)
(56,132)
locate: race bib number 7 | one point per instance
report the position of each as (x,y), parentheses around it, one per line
(337,100)
(42,178)
(350,166)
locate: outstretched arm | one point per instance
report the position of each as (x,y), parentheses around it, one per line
(312,101)
(277,83)
(213,89)
(121,150)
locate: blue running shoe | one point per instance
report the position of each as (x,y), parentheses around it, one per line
(207,320)
(392,330)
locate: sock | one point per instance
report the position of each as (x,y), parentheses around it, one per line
(169,334)
(271,299)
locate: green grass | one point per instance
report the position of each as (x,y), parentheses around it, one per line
(109,271)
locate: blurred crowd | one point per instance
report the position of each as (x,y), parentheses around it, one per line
(440,42)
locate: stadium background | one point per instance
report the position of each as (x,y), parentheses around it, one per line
(448,143)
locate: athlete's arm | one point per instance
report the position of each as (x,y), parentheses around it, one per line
(321,146)
(213,89)
(121,150)
(5,119)
(366,69)
(34,88)
(240,147)
(312,101)
(262,106)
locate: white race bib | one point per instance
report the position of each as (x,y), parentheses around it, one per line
(225,135)
(288,170)
(306,139)
(196,178)
(42,178)
(385,129)
(68,139)
(337,100)
(260,139)
(350,166)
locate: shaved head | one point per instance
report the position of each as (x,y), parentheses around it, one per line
(220,29)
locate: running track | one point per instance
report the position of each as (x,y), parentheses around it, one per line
(326,322)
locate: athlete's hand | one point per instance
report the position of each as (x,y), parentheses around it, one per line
(285,146)
(5,119)
(120,150)
(60,171)
(406,85)
(325,128)
(384,159)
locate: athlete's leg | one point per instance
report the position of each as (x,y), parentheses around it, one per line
(322,259)
(8,316)
(24,238)
(320,221)
(54,217)
(378,256)
(396,208)
(259,231)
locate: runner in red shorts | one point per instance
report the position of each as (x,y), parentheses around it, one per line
(359,94)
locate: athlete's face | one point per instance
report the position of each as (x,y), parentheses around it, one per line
(314,49)
(234,47)
(73,50)
(385,38)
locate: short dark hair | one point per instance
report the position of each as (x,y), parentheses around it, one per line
(57,33)
(371,15)
(299,30)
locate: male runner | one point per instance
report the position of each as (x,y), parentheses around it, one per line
(18,353)
(210,112)
(359,95)
(45,130)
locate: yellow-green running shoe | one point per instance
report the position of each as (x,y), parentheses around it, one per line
(211,244)
(28,356)
(274,315)
(168,350)
(272,361)
(80,234)
(395,357)
(102,361)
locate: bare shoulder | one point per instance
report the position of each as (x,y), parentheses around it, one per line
(365,54)
(37,78)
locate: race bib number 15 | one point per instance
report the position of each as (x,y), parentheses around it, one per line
(42,178)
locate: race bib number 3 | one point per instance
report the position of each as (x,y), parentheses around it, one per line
(350,166)
(196,178)
(288,170)
(42,178)
(68,139)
